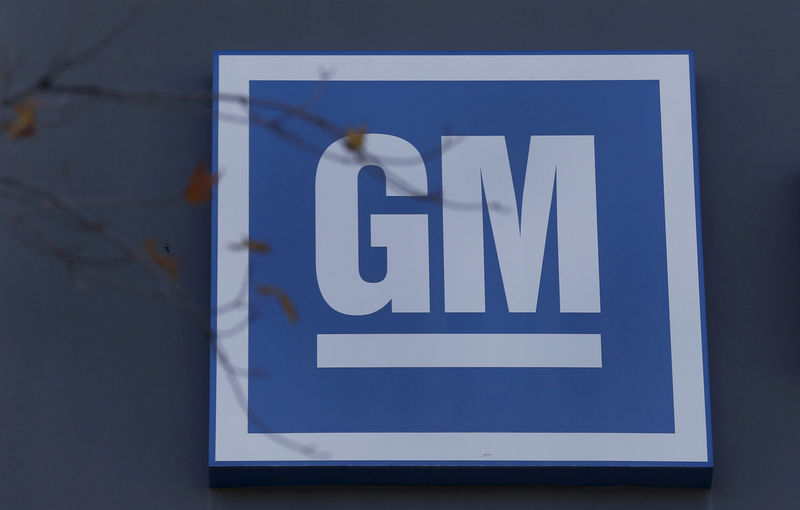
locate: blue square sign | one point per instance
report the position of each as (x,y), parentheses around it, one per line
(494,262)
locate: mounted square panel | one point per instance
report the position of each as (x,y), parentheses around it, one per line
(493,260)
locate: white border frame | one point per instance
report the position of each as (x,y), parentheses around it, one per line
(232,442)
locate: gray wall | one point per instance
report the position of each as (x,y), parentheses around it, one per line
(105,393)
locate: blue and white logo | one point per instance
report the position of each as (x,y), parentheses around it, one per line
(505,270)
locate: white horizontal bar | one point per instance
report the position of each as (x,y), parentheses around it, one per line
(458,350)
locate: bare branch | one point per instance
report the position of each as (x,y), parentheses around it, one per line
(61,64)
(100,279)
(168,287)
(40,239)
(125,200)
(273,115)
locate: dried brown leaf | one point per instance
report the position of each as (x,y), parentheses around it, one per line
(253,245)
(24,124)
(288,308)
(355,138)
(286,303)
(198,189)
(167,263)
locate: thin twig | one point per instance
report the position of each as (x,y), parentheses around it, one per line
(168,287)
(39,238)
(125,200)
(93,276)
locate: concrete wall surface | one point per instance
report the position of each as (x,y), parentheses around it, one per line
(104,393)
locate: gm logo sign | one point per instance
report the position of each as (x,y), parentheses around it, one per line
(497,276)
(471,167)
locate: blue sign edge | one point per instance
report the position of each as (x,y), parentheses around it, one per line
(651,474)
(212,392)
(587,476)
